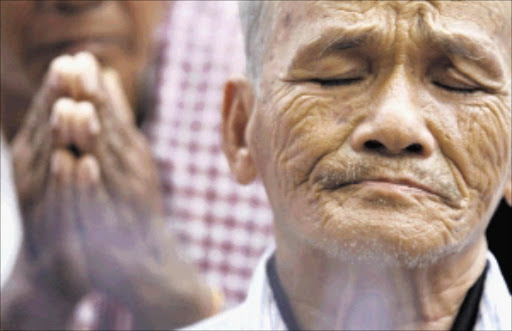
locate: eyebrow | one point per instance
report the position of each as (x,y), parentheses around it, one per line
(477,49)
(341,43)
(333,41)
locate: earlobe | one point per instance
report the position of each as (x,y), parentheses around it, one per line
(236,111)
(243,169)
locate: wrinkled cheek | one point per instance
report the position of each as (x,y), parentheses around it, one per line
(487,131)
(304,133)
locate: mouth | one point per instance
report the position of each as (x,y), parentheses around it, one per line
(403,184)
(95,45)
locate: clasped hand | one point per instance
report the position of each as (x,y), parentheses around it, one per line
(90,198)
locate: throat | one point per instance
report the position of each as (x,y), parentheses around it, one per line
(320,292)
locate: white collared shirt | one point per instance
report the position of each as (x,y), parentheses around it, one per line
(260,312)
(11,225)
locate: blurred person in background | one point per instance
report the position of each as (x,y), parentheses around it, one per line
(381,131)
(74,75)
(174,87)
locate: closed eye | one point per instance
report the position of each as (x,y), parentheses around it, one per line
(456,89)
(336,81)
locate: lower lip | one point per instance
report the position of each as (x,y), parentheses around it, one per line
(96,46)
(93,46)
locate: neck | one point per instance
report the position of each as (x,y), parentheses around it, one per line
(331,293)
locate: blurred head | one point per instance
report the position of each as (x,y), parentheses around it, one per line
(381,130)
(120,33)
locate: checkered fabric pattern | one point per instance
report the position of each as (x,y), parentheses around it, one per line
(222,226)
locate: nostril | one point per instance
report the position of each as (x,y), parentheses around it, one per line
(414,148)
(373,145)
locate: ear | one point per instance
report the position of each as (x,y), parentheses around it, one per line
(236,111)
(508,188)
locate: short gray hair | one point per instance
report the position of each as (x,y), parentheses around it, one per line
(255,20)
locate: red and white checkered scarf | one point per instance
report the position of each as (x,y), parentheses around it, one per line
(222,227)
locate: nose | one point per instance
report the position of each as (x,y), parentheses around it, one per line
(394,125)
(69,7)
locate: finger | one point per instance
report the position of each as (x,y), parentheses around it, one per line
(94,206)
(96,210)
(33,143)
(87,80)
(61,121)
(30,158)
(87,173)
(85,126)
(54,85)
(62,167)
(117,97)
(59,226)
(56,205)
(103,217)
(63,72)
(99,222)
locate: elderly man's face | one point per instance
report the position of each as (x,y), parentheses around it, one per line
(119,33)
(382,130)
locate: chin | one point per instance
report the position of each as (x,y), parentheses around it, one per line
(379,252)
(405,237)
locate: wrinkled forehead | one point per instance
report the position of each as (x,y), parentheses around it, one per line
(299,22)
(490,14)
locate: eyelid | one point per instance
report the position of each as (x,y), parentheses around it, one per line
(453,80)
(338,71)
(454,74)
(455,84)
(336,81)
